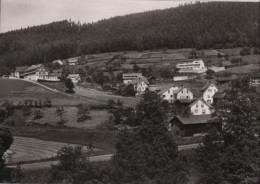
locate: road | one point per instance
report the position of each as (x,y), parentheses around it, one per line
(48,164)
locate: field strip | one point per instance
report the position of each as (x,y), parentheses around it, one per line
(48,164)
(26,149)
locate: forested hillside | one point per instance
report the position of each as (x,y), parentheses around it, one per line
(200,25)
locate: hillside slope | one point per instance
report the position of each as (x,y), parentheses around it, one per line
(200,25)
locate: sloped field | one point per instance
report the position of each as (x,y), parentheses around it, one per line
(30,149)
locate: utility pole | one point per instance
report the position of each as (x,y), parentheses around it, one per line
(0,16)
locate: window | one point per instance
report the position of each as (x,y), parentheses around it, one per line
(163,96)
(182,91)
(208,96)
(177,132)
(168,91)
(171,95)
(197,105)
(209,90)
(202,105)
(196,111)
(203,111)
(215,90)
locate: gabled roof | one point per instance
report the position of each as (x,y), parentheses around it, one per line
(166,88)
(181,88)
(207,86)
(33,67)
(21,69)
(200,99)
(194,119)
(140,79)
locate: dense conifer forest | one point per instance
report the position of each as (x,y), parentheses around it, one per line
(200,25)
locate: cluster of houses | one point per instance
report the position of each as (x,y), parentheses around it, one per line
(41,73)
(37,73)
(199,109)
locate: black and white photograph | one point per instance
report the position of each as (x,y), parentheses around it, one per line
(129,91)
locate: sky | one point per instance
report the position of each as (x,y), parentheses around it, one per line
(16,14)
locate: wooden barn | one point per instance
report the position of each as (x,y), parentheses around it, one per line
(192,125)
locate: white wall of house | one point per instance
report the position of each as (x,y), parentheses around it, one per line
(184,94)
(169,94)
(180,78)
(209,93)
(141,87)
(200,108)
(192,67)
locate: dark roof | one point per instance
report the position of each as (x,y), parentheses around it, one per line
(219,95)
(227,78)
(194,119)
(201,99)
(21,69)
(207,85)
(184,101)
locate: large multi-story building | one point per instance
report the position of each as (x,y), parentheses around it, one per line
(192,67)
(35,73)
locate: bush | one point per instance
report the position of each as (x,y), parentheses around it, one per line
(245,51)
(256,50)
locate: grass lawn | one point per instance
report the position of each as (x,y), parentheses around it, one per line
(31,149)
(251,59)
(18,90)
(104,96)
(49,116)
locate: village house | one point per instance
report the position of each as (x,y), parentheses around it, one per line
(183,93)
(58,61)
(174,92)
(255,79)
(226,79)
(168,92)
(192,67)
(36,73)
(129,77)
(75,78)
(72,61)
(200,107)
(192,125)
(208,92)
(140,84)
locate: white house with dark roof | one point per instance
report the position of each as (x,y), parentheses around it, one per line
(208,92)
(75,78)
(183,93)
(200,107)
(36,73)
(140,84)
(168,93)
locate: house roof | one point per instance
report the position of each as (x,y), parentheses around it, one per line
(227,78)
(184,101)
(219,95)
(21,69)
(73,75)
(181,88)
(165,88)
(132,74)
(194,119)
(33,67)
(207,86)
(200,99)
(140,79)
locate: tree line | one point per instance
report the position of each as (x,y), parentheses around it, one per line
(199,25)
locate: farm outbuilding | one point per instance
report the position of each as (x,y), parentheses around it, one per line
(192,125)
